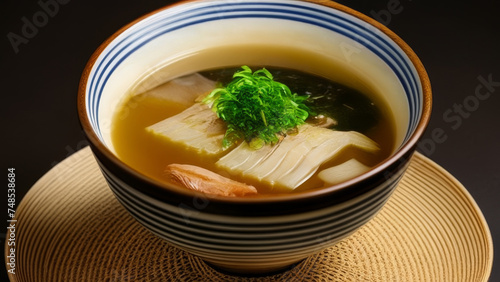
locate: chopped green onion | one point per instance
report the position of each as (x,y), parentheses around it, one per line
(256,108)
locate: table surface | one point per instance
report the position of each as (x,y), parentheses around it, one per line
(458,44)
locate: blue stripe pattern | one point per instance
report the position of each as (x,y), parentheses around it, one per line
(283,237)
(265,240)
(179,17)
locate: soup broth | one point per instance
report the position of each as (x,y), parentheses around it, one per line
(350,110)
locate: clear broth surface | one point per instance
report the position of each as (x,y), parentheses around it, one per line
(353,110)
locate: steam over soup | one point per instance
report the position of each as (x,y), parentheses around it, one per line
(245,131)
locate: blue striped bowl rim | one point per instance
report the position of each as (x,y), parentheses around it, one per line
(234,239)
(194,13)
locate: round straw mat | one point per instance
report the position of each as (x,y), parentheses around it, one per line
(71,228)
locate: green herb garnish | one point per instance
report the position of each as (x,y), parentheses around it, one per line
(256,108)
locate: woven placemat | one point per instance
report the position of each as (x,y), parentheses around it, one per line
(70,227)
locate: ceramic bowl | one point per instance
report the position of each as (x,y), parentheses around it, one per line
(254,235)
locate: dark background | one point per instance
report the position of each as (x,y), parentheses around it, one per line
(458,42)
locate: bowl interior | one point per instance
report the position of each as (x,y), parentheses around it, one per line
(195,36)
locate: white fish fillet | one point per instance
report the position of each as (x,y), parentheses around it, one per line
(296,158)
(184,90)
(342,172)
(287,164)
(197,128)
